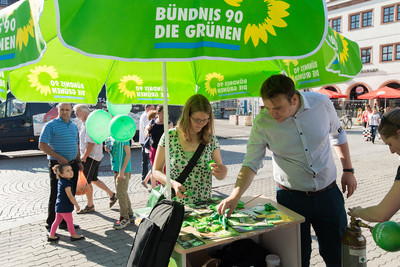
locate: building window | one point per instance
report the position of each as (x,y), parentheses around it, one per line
(390,52)
(355,21)
(358,20)
(367,19)
(336,24)
(387,52)
(398,12)
(4,2)
(366,55)
(388,14)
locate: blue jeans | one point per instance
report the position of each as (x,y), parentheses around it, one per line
(373,132)
(145,162)
(326,213)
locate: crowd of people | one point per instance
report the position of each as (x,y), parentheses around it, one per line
(297,127)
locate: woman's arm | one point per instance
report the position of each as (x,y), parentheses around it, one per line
(159,163)
(219,170)
(382,212)
(72,198)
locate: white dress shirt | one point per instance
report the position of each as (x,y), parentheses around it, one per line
(301,151)
(142,124)
(84,139)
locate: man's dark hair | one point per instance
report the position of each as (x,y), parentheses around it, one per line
(147,106)
(276,85)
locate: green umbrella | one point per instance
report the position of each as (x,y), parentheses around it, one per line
(66,75)
(21,42)
(160,30)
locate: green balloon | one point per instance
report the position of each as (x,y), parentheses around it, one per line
(97,125)
(118,109)
(387,236)
(122,128)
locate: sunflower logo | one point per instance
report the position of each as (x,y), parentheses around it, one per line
(343,48)
(24,32)
(275,12)
(289,63)
(126,84)
(211,80)
(40,76)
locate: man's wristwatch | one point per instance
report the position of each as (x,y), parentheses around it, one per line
(348,170)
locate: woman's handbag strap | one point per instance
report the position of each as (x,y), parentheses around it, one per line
(192,162)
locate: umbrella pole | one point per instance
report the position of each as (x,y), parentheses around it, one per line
(166,135)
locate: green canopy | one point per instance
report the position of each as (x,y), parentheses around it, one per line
(161,30)
(66,75)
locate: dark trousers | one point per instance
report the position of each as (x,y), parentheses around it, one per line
(51,212)
(145,162)
(373,132)
(325,212)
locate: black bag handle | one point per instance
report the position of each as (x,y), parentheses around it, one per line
(192,162)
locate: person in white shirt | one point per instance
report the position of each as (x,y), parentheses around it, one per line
(142,125)
(297,128)
(91,156)
(373,122)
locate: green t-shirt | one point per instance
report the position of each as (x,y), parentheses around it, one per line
(117,155)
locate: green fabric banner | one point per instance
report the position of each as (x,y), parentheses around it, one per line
(337,61)
(21,42)
(183,30)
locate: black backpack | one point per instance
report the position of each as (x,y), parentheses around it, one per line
(241,253)
(157,235)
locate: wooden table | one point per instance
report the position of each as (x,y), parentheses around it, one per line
(282,240)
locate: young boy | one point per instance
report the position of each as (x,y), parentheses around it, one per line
(120,155)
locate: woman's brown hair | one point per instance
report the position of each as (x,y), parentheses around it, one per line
(197,103)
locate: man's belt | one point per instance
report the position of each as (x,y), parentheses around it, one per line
(308,193)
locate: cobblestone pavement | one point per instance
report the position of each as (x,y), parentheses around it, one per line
(24,187)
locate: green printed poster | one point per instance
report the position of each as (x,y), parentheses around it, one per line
(181,30)
(21,42)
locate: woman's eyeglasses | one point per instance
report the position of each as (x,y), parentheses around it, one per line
(198,121)
(387,121)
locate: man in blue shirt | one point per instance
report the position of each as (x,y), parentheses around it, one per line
(298,128)
(60,141)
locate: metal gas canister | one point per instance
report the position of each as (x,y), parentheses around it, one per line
(354,245)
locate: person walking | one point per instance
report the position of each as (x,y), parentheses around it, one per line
(366,129)
(143,122)
(65,203)
(151,116)
(156,130)
(389,129)
(373,122)
(297,128)
(195,127)
(120,156)
(91,156)
(59,140)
